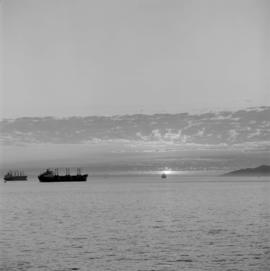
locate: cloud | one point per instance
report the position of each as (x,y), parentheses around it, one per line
(207,129)
(233,134)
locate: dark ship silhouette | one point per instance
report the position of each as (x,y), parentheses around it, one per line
(15,175)
(163,175)
(53,176)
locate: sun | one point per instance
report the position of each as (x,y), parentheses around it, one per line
(167,171)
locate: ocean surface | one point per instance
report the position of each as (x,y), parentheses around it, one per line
(136,223)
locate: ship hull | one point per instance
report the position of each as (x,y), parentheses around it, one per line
(56,179)
(15,178)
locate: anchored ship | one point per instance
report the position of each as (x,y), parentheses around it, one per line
(53,176)
(163,175)
(15,175)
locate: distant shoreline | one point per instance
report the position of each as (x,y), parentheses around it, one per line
(263,170)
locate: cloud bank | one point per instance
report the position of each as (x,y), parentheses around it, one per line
(250,127)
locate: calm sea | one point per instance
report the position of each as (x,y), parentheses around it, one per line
(136,223)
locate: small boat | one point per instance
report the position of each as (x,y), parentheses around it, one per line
(163,176)
(50,176)
(15,175)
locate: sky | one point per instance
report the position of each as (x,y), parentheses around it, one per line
(83,57)
(216,140)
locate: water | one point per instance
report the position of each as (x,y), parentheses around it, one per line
(136,223)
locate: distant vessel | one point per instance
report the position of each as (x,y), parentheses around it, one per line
(15,175)
(53,176)
(163,176)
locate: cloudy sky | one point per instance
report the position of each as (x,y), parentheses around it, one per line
(227,139)
(102,57)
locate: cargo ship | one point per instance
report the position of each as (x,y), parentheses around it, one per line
(15,175)
(50,176)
